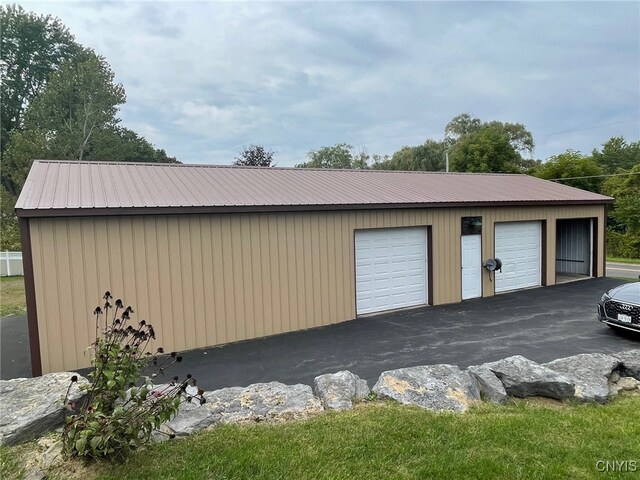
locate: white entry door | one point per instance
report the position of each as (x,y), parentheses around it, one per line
(519,246)
(391,268)
(471,266)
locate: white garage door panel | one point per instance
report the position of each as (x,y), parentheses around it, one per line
(390,269)
(518,245)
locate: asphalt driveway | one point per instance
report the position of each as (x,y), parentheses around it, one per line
(541,324)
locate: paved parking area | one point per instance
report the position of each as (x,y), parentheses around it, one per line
(541,324)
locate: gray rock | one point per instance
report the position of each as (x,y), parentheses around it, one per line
(435,387)
(258,402)
(522,377)
(32,406)
(615,376)
(51,448)
(491,387)
(34,474)
(630,361)
(623,384)
(337,390)
(590,372)
(191,418)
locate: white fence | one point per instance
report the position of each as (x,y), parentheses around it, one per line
(11,264)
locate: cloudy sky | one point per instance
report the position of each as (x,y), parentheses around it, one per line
(205,78)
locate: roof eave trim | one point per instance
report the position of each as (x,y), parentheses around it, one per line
(114,211)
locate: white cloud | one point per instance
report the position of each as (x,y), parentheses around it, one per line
(217,122)
(204,78)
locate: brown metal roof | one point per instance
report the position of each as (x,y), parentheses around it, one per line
(65,188)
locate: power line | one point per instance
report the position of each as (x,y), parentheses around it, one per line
(594,176)
(587,128)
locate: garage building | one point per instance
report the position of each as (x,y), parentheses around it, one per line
(217,254)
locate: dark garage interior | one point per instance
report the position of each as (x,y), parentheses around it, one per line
(574,249)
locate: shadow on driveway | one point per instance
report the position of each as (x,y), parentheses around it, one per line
(542,324)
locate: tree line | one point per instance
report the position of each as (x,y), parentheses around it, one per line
(476,146)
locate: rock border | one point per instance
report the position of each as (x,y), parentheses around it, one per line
(33,407)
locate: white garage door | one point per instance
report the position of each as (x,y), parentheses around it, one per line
(518,245)
(391,269)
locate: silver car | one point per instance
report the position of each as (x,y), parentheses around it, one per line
(620,307)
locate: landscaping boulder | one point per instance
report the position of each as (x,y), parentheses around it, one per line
(337,390)
(32,406)
(623,384)
(522,377)
(191,418)
(491,388)
(590,372)
(630,363)
(435,387)
(257,402)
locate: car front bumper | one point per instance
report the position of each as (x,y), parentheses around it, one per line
(614,322)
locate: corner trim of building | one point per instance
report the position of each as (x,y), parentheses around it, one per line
(30,293)
(604,241)
(544,245)
(430,265)
(595,233)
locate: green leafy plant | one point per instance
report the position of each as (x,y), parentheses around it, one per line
(123,407)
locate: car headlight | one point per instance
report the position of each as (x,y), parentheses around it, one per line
(605,297)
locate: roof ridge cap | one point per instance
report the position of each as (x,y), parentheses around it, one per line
(275,168)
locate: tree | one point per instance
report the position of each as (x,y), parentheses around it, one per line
(426,157)
(80,99)
(623,238)
(459,126)
(617,154)
(625,188)
(487,150)
(430,156)
(403,159)
(569,165)
(254,156)
(341,155)
(464,125)
(9,230)
(25,146)
(64,119)
(32,47)
(123,145)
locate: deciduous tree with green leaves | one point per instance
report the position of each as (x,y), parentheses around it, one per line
(617,154)
(120,144)
(426,157)
(9,231)
(341,155)
(254,156)
(569,165)
(625,188)
(477,146)
(624,234)
(487,150)
(80,99)
(32,47)
(464,125)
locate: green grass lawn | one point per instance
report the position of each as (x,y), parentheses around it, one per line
(635,261)
(524,439)
(12,300)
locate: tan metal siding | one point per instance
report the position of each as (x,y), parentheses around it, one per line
(213,279)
